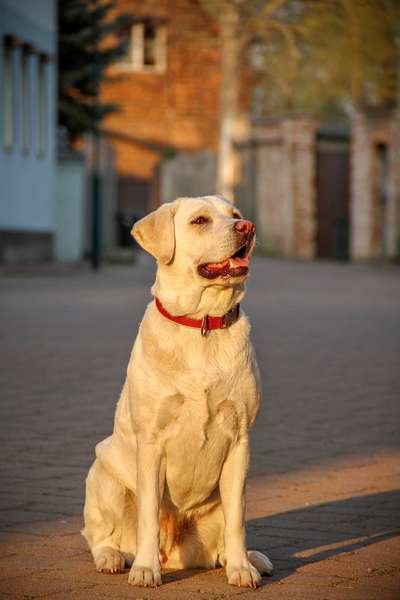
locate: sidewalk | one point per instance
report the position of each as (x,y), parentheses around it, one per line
(324,487)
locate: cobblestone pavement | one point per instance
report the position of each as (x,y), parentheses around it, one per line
(323,494)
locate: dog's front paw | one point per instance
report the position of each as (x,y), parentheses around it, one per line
(144,576)
(109,560)
(244,575)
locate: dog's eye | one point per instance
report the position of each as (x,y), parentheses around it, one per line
(236,215)
(200,220)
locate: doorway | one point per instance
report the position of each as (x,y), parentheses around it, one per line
(333,198)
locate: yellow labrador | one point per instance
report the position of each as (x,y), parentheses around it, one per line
(167,487)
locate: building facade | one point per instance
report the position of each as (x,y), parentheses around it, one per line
(167,87)
(327,192)
(313,192)
(374,185)
(27,130)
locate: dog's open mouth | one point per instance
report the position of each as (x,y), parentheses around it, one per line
(234,266)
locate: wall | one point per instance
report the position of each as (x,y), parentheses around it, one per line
(277,186)
(176,107)
(368,225)
(26,195)
(300,138)
(188,174)
(70,210)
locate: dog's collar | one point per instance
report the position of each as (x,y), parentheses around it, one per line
(205,324)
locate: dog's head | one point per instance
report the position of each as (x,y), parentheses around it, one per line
(205,237)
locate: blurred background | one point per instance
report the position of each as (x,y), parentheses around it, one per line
(290,107)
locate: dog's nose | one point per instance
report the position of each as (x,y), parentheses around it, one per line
(244,226)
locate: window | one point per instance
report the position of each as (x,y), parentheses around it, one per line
(147,47)
(26,93)
(8,94)
(17,90)
(41,105)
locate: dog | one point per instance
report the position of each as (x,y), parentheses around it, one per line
(167,487)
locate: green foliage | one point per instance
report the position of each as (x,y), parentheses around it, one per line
(84,55)
(319,56)
(347,58)
(257,18)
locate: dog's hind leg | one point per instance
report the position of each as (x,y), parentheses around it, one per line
(103,516)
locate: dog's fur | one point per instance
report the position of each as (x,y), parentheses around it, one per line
(167,487)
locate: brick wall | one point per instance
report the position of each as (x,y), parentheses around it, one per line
(177,108)
(299,140)
(278,184)
(279,187)
(373,226)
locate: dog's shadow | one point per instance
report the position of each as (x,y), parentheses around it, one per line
(314,533)
(169,577)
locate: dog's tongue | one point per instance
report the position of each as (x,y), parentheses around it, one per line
(228,265)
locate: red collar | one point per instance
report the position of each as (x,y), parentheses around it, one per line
(206,323)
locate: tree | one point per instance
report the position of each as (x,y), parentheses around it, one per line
(84,54)
(240,23)
(346,60)
(318,56)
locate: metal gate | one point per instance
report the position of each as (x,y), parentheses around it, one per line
(333,197)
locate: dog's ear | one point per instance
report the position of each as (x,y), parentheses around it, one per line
(156,233)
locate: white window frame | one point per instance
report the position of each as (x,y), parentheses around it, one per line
(134,60)
(41,106)
(26,101)
(9,98)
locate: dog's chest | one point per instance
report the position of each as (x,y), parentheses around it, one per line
(203,433)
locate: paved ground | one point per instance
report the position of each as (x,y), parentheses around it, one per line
(323,497)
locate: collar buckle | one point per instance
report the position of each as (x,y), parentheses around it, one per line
(231,317)
(205,327)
